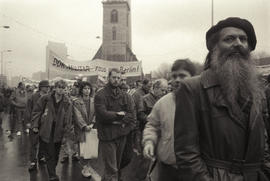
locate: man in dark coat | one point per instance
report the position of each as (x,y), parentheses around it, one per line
(43,87)
(51,119)
(219,129)
(115,118)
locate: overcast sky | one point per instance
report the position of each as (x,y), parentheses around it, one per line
(162,30)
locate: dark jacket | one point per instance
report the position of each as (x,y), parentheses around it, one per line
(145,108)
(109,125)
(81,118)
(44,114)
(209,135)
(137,96)
(31,102)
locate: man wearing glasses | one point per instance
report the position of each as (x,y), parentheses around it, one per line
(51,119)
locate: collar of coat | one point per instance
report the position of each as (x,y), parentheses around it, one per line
(209,79)
(109,90)
(79,99)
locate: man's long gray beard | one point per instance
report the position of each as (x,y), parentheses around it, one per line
(238,78)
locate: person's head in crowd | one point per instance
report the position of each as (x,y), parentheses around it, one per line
(7,93)
(181,69)
(138,83)
(94,90)
(21,86)
(85,89)
(146,85)
(60,87)
(229,43)
(160,87)
(67,91)
(123,78)
(124,87)
(29,89)
(75,89)
(114,78)
(44,86)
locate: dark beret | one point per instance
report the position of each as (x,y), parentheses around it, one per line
(44,83)
(236,22)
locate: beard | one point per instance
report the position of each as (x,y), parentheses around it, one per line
(237,76)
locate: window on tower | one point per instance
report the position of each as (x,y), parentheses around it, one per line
(113,33)
(114,16)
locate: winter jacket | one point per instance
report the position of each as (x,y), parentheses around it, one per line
(110,126)
(81,119)
(31,102)
(19,99)
(44,115)
(145,108)
(212,143)
(159,129)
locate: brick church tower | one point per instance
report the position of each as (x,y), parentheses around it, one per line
(116,39)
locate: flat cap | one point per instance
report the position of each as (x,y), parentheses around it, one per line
(236,22)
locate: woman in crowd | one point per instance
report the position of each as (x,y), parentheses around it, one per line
(84,119)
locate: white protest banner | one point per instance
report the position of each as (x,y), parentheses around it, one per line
(92,67)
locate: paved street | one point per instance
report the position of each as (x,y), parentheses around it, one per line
(14,163)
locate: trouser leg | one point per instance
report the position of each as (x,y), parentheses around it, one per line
(52,155)
(167,172)
(34,140)
(1,118)
(65,147)
(18,121)
(112,152)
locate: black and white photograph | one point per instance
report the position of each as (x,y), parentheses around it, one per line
(135,90)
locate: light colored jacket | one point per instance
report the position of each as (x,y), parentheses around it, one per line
(160,127)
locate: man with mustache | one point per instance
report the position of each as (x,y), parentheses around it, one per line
(219,131)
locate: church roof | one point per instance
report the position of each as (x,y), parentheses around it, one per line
(130,57)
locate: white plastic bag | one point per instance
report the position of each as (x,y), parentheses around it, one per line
(89,148)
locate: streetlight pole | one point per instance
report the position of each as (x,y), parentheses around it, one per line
(2,60)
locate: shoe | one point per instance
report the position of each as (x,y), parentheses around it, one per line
(56,178)
(27,131)
(19,133)
(42,161)
(32,167)
(65,159)
(86,172)
(75,157)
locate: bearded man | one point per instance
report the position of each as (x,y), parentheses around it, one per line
(219,131)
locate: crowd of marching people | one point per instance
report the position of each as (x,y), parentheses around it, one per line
(208,127)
